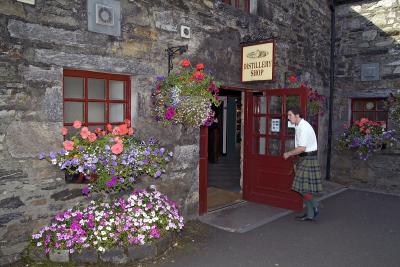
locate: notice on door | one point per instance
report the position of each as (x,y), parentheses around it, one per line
(258,62)
(275,125)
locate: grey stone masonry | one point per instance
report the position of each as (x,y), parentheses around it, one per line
(38,42)
(367,32)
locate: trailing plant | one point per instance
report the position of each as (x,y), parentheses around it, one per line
(111,159)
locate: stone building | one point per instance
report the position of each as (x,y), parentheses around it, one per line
(367,65)
(41,43)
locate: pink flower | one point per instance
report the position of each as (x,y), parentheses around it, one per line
(127,122)
(77,124)
(116,131)
(64,131)
(169,113)
(85,132)
(68,145)
(117,148)
(117,140)
(92,137)
(131,131)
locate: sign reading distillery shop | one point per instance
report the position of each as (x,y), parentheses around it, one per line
(258,62)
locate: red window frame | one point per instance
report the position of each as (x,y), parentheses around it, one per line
(107,77)
(236,3)
(364,110)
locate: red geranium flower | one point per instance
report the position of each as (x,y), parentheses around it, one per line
(200,66)
(292,78)
(185,63)
(199,75)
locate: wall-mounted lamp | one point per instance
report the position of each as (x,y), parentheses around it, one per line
(172,51)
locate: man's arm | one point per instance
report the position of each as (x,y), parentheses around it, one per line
(294,152)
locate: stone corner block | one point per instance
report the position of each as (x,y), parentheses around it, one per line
(59,255)
(89,255)
(37,254)
(164,243)
(141,252)
(114,255)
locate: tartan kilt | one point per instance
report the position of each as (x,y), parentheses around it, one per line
(307,176)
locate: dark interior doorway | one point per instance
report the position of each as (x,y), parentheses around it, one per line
(224,152)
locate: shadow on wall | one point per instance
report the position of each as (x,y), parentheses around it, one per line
(367,66)
(367,54)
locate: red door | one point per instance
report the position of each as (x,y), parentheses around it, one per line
(267,175)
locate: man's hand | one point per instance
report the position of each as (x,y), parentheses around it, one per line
(286,155)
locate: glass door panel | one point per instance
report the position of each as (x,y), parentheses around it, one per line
(259,145)
(274,147)
(275,104)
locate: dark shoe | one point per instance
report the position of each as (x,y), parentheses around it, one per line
(304,219)
(301,216)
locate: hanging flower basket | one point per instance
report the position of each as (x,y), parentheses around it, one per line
(186,97)
(365,137)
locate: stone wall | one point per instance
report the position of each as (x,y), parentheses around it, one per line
(39,41)
(367,32)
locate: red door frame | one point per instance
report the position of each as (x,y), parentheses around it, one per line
(203,160)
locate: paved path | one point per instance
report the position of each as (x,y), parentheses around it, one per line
(355,229)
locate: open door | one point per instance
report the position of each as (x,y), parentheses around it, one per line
(268,177)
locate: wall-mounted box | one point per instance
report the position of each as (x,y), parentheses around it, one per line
(370,72)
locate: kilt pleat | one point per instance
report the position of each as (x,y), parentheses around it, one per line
(308,176)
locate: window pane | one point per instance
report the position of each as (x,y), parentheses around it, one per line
(274,148)
(358,105)
(381,116)
(370,115)
(96,89)
(275,104)
(73,87)
(73,111)
(261,150)
(242,4)
(292,101)
(96,112)
(381,105)
(259,106)
(289,144)
(370,105)
(116,90)
(117,112)
(358,116)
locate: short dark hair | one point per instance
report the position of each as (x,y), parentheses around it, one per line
(295,110)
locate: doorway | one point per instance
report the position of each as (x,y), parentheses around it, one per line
(224,152)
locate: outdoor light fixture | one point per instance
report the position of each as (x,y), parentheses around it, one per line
(172,51)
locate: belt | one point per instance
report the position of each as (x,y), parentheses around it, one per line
(305,154)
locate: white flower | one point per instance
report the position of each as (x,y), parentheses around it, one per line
(101,249)
(103,232)
(104,238)
(100,227)
(108,228)
(54,161)
(39,244)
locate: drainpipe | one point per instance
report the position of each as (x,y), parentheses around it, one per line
(331,89)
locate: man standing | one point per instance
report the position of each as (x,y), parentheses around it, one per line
(307,179)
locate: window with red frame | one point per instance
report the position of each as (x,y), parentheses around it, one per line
(370,108)
(95,99)
(241,4)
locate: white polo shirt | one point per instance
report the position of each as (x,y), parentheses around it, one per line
(305,136)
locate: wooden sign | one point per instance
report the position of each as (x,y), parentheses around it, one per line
(258,62)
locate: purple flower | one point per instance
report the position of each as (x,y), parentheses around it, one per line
(85,191)
(158,173)
(160,78)
(107,147)
(131,179)
(42,155)
(52,155)
(121,180)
